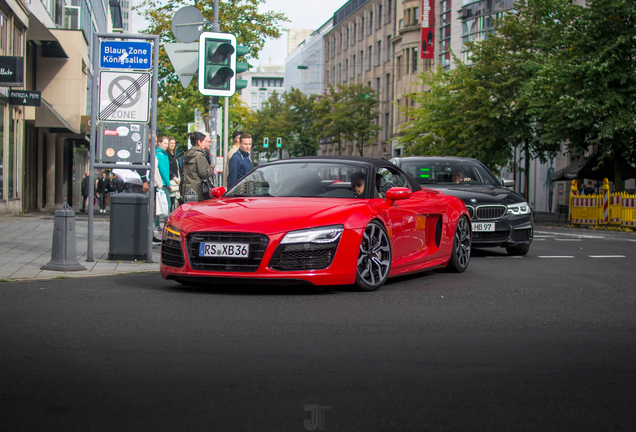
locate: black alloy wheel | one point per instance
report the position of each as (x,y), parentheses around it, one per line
(460,257)
(374,258)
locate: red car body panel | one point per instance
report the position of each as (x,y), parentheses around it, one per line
(410,224)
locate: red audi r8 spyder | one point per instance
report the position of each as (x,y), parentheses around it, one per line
(317,220)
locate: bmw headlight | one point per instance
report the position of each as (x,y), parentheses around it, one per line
(171,233)
(326,234)
(519,209)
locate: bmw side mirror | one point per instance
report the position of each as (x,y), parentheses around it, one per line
(507,183)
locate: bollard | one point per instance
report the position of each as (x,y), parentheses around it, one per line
(63,255)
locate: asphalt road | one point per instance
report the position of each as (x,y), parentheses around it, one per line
(535,343)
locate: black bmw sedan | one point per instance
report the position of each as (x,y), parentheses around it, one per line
(500,217)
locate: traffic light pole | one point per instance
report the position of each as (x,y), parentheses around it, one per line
(214,100)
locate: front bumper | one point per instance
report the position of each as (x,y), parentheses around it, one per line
(510,230)
(341,271)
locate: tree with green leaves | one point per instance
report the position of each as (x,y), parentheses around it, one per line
(296,123)
(263,125)
(585,91)
(241,18)
(358,105)
(330,118)
(484,109)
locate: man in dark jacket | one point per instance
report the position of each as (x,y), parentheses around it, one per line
(85,192)
(240,164)
(103,186)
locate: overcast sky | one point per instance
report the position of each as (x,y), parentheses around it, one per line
(302,13)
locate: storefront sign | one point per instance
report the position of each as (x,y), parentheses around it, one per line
(11,71)
(25,97)
(428,29)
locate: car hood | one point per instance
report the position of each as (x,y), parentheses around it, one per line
(264,215)
(483,194)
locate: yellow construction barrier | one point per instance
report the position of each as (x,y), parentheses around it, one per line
(602,210)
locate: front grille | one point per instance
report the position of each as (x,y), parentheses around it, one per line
(303,256)
(522,234)
(471,211)
(491,212)
(490,236)
(258,244)
(438,231)
(171,253)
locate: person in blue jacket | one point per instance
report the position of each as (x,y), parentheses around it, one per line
(162,172)
(240,163)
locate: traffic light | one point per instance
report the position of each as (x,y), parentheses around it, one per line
(265,142)
(279,142)
(217,64)
(241,66)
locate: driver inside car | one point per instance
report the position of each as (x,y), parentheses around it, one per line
(357,183)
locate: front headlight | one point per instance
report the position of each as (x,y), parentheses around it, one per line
(171,233)
(326,234)
(519,209)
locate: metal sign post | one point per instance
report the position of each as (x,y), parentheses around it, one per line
(124,97)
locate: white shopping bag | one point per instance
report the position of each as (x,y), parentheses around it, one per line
(161,204)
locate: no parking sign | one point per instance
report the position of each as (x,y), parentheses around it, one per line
(124,96)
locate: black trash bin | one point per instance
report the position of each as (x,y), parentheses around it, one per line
(128,227)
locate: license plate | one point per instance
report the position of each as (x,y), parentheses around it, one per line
(224,250)
(482,227)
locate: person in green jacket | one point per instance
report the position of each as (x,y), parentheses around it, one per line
(196,164)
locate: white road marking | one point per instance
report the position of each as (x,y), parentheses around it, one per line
(568,239)
(607,256)
(536,239)
(568,234)
(553,235)
(555,256)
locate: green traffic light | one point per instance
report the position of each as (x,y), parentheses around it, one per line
(218,72)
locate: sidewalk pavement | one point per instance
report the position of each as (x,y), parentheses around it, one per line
(26,242)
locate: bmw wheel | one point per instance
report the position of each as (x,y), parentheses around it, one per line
(460,257)
(374,258)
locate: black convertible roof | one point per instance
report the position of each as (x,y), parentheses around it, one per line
(377,164)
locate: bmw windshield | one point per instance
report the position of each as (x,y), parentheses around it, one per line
(448,173)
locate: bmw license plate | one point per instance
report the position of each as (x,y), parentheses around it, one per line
(483,227)
(224,250)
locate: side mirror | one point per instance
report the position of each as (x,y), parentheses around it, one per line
(218,192)
(397,194)
(507,183)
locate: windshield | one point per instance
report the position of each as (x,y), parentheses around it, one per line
(449,173)
(303,179)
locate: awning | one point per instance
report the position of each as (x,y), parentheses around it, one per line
(590,168)
(46,116)
(38,33)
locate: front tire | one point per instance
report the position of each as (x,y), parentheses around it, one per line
(460,257)
(374,258)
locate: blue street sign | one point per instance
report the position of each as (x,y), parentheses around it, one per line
(125,55)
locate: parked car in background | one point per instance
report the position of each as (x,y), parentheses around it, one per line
(499,216)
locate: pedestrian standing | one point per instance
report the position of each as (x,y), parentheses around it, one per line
(175,176)
(85,187)
(196,163)
(240,164)
(103,186)
(162,171)
(236,143)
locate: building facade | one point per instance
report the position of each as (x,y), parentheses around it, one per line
(261,84)
(44,154)
(304,65)
(359,50)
